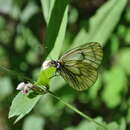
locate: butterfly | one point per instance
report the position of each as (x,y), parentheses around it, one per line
(79,66)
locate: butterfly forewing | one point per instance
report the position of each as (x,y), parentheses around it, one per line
(90,53)
(79,65)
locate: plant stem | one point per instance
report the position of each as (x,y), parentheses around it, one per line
(76,110)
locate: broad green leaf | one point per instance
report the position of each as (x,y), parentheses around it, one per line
(45,76)
(123,59)
(114,44)
(22,105)
(47,6)
(128,113)
(122,124)
(127,37)
(102,23)
(33,122)
(121,30)
(117,126)
(56,26)
(20,43)
(114,81)
(29,11)
(60,82)
(55,52)
(49,109)
(73,16)
(86,125)
(127,15)
(89,125)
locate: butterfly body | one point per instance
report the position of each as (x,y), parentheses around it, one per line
(79,65)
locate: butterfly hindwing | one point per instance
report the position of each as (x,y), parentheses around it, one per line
(80,81)
(79,65)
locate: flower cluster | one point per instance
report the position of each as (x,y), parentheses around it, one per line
(24,87)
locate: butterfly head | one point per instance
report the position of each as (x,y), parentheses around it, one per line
(51,63)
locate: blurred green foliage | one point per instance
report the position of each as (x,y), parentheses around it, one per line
(28,32)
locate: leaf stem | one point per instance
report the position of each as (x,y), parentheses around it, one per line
(76,110)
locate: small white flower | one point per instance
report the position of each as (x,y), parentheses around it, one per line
(24,87)
(21,86)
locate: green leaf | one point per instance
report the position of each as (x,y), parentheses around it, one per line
(122,124)
(114,44)
(121,30)
(22,105)
(127,37)
(60,82)
(73,16)
(123,59)
(55,52)
(117,126)
(47,6)
(28,11)
(102,23)
(86,125)
(49,109)
(128,113)
(113,86)
(127,15)
(56,26)
(45,76)
(33,122)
